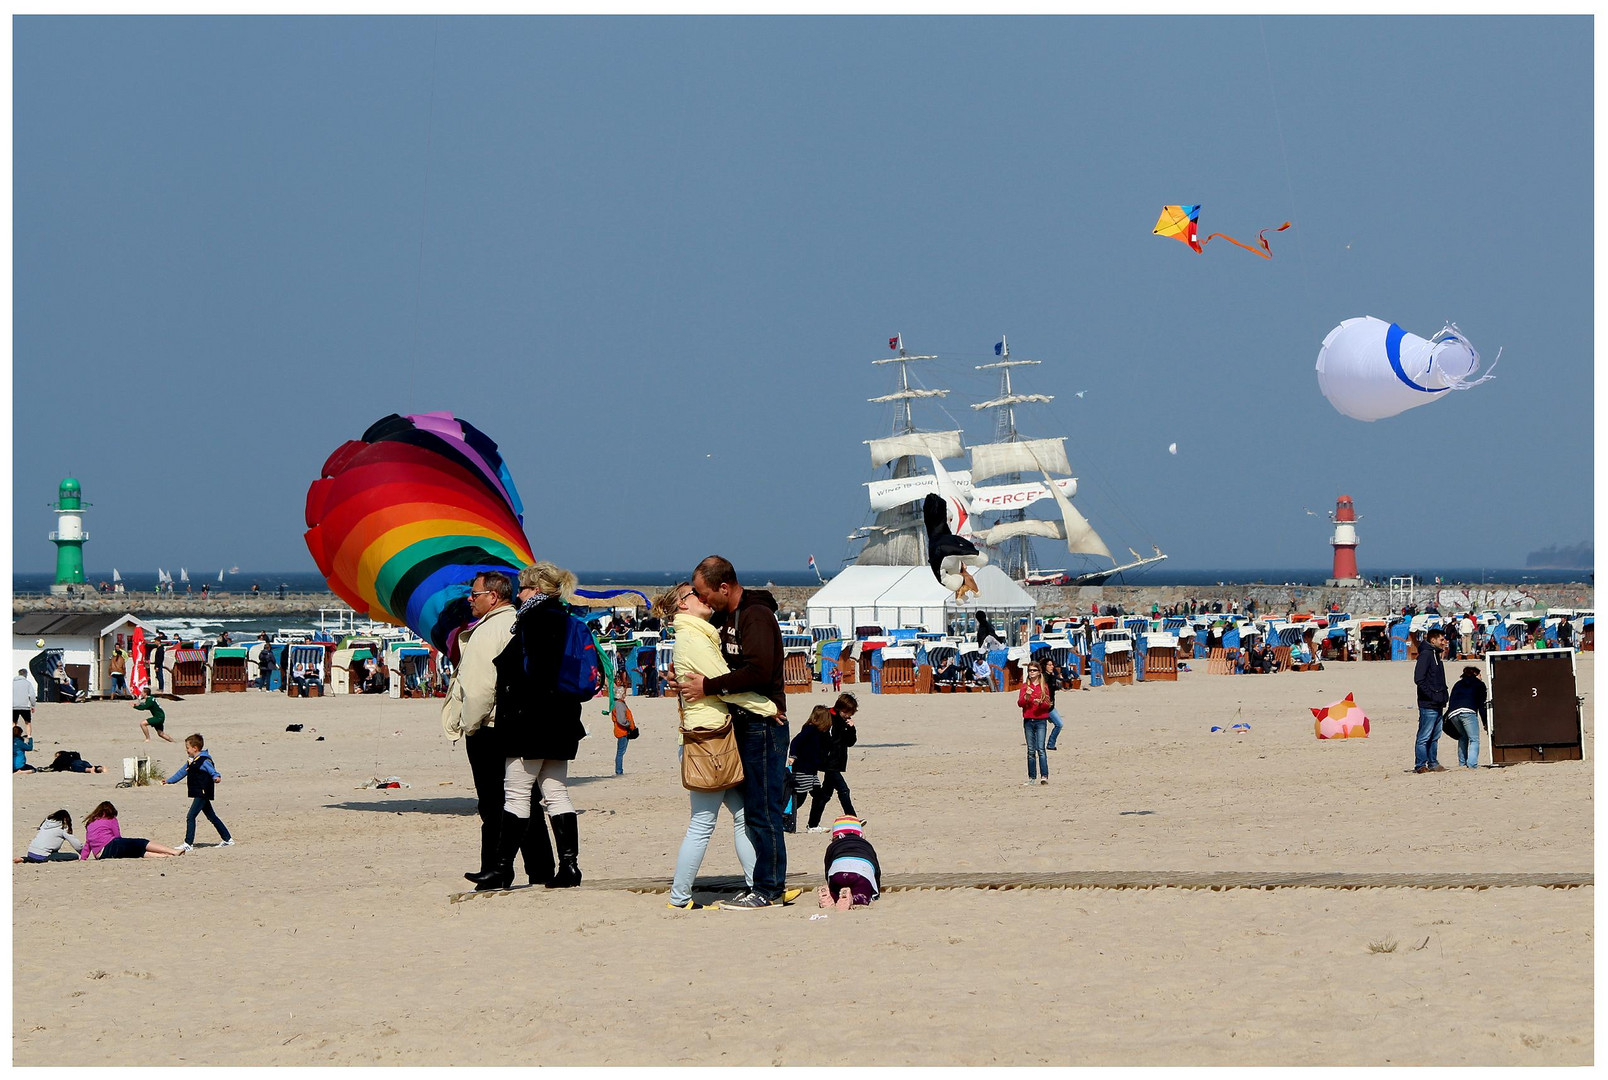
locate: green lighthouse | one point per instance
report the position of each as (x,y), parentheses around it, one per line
(69,536)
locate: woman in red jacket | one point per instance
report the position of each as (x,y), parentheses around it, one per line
(1034,701)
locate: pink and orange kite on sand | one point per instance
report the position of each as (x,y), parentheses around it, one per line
(1342,719)
(1182,224)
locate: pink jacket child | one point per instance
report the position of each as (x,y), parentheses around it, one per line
(104,839)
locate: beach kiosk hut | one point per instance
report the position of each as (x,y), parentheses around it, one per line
(80,643)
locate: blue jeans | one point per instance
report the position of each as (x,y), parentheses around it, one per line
(199,806)
(1464,724)
(762,746)
(119,683)
(1034,730)
(705,809)
(1429,733)
(619,754)
(1055,728)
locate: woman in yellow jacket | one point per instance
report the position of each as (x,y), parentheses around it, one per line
(697,651)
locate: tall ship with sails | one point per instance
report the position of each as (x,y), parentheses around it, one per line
(993,485)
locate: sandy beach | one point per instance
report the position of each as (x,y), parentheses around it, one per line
(325,936)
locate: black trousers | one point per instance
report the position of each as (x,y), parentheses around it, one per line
(832,781)
(488,766)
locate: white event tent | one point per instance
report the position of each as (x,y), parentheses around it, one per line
(909,596)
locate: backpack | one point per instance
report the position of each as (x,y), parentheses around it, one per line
(64,761)
(580,670)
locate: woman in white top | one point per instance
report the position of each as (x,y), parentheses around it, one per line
(697,651)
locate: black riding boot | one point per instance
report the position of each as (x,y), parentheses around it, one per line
(537,851)
(568,844)
(509,837)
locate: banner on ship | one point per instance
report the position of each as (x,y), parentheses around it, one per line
(887,494)
(1016,496)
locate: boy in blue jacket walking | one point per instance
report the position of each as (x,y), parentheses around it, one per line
(203,775)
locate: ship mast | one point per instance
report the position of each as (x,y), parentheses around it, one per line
(897,537)
(1015,553)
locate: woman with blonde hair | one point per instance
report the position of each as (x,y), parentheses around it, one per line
(539,730)
(697,651)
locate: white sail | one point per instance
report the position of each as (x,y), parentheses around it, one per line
(906,395)
(1081,539)
(1029,455)
(941,444)
(1005,530)
(1000,497)
(1015,399)
(184,575)
(115,577)
(162,576)
(886,494)
(220,575)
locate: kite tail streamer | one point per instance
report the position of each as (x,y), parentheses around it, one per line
(1231,240)
(1265,253)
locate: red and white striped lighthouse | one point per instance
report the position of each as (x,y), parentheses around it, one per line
(1344,543)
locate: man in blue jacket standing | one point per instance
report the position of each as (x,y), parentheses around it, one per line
(1430,678)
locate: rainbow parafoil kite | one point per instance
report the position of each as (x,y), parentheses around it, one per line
(1343,719)
(402,520)
(1370,369)
(1182,224)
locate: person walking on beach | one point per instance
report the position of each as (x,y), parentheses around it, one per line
(470,709)
(22,698)
(840,736)
(696,651)
(1034,701)
(1429,675)
(752,642)
(1465,712)
(625,729)
(202,775)
(539,731)
(265,663)
(158,718)
(806,757)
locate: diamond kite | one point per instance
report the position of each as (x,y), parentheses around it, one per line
(1182,224)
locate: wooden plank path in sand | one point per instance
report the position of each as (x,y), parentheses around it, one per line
(1216,881)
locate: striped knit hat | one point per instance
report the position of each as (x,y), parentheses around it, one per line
(848,824)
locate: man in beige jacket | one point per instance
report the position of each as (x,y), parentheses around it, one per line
(470,711)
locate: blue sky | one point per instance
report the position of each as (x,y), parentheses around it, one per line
(654,257)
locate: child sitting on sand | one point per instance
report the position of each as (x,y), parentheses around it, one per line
(852,870)
(54,831)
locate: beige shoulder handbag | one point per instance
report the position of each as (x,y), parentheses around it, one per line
(709,759)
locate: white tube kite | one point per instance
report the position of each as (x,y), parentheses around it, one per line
(1370,369)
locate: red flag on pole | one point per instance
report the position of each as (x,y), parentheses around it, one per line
(137,677)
